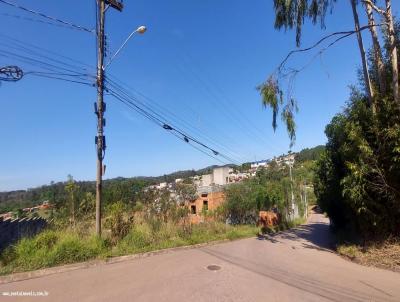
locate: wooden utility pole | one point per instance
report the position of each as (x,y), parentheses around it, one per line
(100,107)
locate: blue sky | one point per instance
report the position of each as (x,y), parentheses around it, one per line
(200,59)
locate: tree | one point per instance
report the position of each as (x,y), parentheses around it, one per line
(291,14)
(367,80)
(186,192)
(358,177)
(71,187)
(387,15)
(393,51)
(380,66)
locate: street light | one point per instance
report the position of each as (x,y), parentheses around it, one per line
(140,30)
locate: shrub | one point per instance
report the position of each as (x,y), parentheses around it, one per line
(52,248)
(118,221)
(138,238)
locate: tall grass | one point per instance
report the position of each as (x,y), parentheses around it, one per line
(56,247)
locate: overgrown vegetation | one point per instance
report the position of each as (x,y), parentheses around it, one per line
(149,219)
(155,220)
(124,189)
(269,190)
(143,233)
(358,177)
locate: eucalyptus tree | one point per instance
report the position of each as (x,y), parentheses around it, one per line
(291,14)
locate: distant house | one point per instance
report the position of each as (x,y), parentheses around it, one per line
(259,164)
(219,177)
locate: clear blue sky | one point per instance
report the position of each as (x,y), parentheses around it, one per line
(201,59)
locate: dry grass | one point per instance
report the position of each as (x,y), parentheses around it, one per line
(384,255)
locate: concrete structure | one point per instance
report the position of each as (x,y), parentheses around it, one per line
(219,176)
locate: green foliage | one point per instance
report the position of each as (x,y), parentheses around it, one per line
(272,96)
(269,189)
(309,154)
(141,238)
(291,13)
(186,192)
(51,248)
(118,221)
(358,177)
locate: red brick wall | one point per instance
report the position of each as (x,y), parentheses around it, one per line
(214,199)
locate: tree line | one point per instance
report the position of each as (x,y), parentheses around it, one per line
(357,179)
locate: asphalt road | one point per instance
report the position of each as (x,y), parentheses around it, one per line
(294,266)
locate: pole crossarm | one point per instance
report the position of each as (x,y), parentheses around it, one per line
(115,4)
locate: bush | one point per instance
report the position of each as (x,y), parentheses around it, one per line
(56,247)
(138,238)
(118,221)
(51,248)
(358,176)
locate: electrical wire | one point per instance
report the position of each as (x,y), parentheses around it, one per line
(162,119)
(59,78)
(59,71)
(71,25)
(173,117)
(36,62)
(220,100)
(32,49)
(164,124)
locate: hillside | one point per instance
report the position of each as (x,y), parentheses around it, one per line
(120,188)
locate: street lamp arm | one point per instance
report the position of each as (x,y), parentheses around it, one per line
(140,30)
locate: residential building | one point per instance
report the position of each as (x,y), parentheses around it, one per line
(219,176)
(259,164)
(208,200)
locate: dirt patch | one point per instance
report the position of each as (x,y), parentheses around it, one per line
(383,255)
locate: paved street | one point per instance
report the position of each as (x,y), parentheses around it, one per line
(293,266)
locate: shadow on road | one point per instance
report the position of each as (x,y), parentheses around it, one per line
(313,236)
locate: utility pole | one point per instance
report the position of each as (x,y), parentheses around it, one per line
(100,106)
(291,189)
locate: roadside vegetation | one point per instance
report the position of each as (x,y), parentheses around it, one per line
(357,179)
(270,189)
(128,230)
(358,176)
(149,219)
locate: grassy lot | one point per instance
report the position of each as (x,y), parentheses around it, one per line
(57,247)
(379,254)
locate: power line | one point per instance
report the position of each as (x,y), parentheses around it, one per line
(78,27)
(36,62)
(59,78)
(34,50)
(164,111)
(162,120)
(23,18)
(226,105)
(30,48)
(164,124)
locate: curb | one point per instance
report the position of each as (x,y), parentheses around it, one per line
(92,263)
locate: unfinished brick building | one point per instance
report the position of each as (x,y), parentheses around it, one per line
(207,201)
